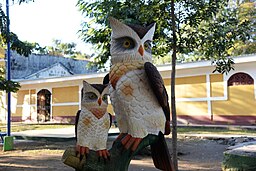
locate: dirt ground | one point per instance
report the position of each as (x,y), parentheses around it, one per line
(193,154)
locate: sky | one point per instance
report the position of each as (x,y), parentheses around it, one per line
(44,20)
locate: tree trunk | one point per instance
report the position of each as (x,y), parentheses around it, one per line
(173,102)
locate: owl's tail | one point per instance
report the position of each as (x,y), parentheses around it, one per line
(160,154)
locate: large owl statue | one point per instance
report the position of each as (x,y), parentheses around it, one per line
(93,121)
(137,91)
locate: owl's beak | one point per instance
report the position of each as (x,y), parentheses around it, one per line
(141,50)
(99,101)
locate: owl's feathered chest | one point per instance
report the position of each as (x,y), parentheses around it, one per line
(135,103)
(90,120)
(92,132)
(119,69)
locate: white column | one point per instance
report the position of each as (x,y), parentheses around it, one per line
(208,93)
(79,94)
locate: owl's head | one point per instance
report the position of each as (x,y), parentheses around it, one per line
(130,43)
(95,97)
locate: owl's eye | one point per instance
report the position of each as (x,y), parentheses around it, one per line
(105,98)
(127,43)
(91,96)
(148,46)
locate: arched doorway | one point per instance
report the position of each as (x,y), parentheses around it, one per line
(43,105)
(240,78)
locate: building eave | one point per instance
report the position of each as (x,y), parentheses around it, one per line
(166,67)
(62,79)
(200,64)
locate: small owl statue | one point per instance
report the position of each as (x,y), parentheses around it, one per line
(93,121)
(137,90)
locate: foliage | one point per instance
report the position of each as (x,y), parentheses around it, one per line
(162,60)
(7,85)
(23,48)
(23,1)
(223,36)
(221,33)
(246,12)
(97,30)
(59,49)
(206,28)
(224,65)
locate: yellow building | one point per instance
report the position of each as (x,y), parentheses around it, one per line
(202,97)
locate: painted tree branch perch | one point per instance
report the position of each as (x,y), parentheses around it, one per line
(119,157)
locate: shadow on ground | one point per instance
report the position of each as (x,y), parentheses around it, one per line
(194,154)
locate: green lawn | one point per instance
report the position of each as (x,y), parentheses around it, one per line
(209,130)
(23,127)
(181,130)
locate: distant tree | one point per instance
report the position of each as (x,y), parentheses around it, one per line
(23,48)
(62,49)
(203,27)
(8,86)
(246,12)
(21,1)
(167,59)
(37,49)
(59,49)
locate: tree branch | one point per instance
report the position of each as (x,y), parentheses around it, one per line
(120,158)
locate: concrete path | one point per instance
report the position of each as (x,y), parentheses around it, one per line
(61,132)
(216,136)
(54,133)
(70,133)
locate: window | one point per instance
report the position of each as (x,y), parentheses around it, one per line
(240,78)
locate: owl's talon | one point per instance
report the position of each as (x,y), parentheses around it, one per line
(99,153)
(82,152)
(130,142)
(87,150)
(136,143)
(126,139)
(103,154)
